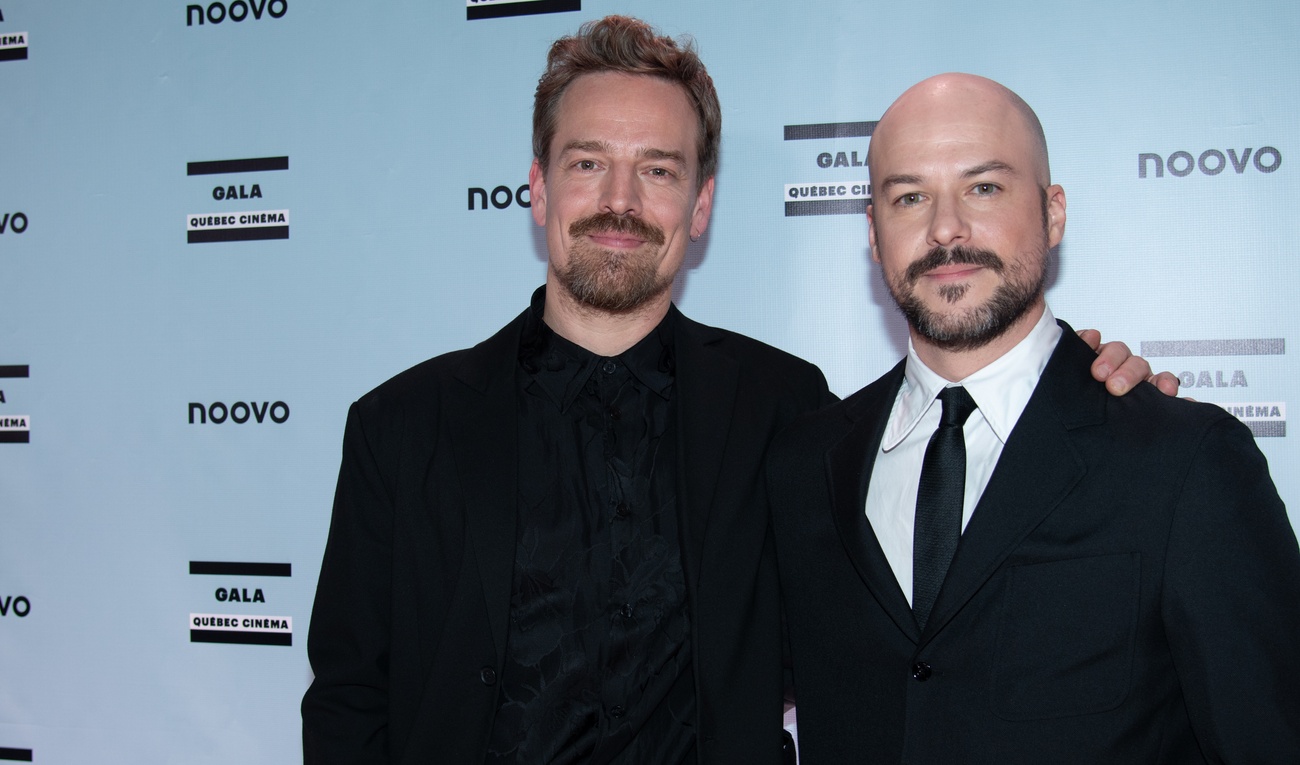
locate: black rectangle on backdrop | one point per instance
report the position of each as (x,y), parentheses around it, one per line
(251,234)
(12,54)
(232,568)
(1267,428)
(829,130)
(254,165)
(827,207)
(241,638)
(501,10)
(1263,346)
(13,370)
(15,436)
(15,755)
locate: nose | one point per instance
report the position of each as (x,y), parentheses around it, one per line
(948,224)
(621,192)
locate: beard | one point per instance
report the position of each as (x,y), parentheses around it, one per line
(613,281)
(976,326)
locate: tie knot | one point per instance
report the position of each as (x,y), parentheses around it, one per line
(957,406)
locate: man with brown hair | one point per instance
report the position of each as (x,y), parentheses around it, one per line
(552,547)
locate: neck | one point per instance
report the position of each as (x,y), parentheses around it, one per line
(601,332)
(958,365)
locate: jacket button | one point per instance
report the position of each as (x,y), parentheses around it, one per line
(488,676)
(617,711)
(921,671)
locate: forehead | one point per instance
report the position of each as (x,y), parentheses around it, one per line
(950,132)
(633,110)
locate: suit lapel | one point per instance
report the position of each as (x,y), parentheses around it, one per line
(849,463)
(706,396)
(484,415)
(1039,467)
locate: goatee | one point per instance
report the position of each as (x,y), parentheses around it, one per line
(614,281)
(978,325)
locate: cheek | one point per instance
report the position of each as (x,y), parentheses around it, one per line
(902,233)
(669,204)
(897,246)
(891,266)
(557,240)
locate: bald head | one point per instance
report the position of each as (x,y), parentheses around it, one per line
(940,107)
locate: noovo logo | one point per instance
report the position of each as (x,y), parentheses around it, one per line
(19,606)
(236,11)
(15,222)
(238,412)
(501,197)
(1180,164)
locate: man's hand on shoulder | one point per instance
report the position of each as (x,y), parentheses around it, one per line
(1121,370)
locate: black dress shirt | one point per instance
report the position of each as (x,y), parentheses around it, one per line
(598,660)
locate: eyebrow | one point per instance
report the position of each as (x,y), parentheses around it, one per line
(664,154)
(899,180)
(992,166)
(584,146)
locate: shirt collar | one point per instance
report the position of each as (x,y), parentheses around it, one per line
(561,367)
(1001,390)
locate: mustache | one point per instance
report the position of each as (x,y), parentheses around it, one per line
(959,255)
(608,222)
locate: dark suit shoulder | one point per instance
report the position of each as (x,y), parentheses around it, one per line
(818,429)
(762,367)
(414,387)
(1146,401)
(1143,410)
(740,347)
(419,387)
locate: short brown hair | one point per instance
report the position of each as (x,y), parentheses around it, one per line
(631,46)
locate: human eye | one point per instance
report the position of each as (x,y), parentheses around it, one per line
(910,199)
(985,189)
(585,165)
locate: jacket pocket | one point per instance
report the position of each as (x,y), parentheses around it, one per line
(1066,637)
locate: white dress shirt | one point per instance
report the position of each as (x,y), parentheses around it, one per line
(1001,390)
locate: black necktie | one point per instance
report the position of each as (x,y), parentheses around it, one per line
(939,501)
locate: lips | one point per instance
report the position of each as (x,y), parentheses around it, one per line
(615,240)
(952,273)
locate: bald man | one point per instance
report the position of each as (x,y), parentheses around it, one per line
(984,557)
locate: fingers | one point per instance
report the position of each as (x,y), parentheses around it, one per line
(1090,336)
(1119,368)
(1167,382)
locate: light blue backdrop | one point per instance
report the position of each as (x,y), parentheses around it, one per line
(111,324)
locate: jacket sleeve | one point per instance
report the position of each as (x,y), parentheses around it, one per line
(1231,603)
(345,711)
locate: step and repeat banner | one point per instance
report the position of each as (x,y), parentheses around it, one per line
(221,222)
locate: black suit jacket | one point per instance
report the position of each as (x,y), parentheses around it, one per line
(409,626)
(1127,591)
